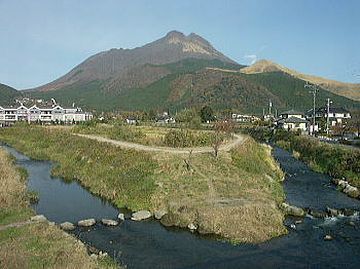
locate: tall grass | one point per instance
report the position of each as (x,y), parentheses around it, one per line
(124,177)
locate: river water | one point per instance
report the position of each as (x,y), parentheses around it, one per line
(148,244)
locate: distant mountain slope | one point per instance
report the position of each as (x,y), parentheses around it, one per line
(179,71)
(349,90)
(117,65)
(202,86)
(7,94)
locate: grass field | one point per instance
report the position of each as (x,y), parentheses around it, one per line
(36,245)
(235,195)
(149,135)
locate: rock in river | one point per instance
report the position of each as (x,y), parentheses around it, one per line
(342,184)
(351,191)
(109,222)
(317,214)
(141,215)
(328,237)
(121,216)
(192,227)
(38,218)
(87,222)
(292,210)
(67,226)
(333,212)
(159,214)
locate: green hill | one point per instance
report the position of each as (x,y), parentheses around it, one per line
(191,82)
(7,94)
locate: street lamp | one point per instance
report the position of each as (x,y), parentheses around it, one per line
(313,90)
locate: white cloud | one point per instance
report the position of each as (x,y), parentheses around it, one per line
(251,58)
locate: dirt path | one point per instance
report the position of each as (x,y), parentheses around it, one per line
(226,147)
(16,224)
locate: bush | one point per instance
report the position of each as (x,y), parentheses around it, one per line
(179,138)
(186,138)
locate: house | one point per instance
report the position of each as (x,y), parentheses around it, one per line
(42,114)
(243,118)
(293,121)
(131,120)
(292,113)
(165,118)
(338,116)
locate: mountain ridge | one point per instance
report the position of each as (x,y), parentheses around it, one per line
(178,71)
(173,47)
(349,90)
(7,94)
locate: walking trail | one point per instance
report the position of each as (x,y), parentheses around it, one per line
(239,139)
(17,224)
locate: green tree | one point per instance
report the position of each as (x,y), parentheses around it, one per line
(207,114)
(189,117)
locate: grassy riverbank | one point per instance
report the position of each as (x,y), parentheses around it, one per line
(148,135)
(35,245)
(235,195)
(334,159)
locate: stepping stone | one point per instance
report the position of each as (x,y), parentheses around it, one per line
(86,222)
(159,214)
(67,226)
(109,222)
(121,216)
(38,218)
(141,215)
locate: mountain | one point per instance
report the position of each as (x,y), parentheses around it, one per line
(349,90)
(191,83)
(179,71)
(7,94)
(124,68)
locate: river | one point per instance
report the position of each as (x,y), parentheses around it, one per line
(148,244)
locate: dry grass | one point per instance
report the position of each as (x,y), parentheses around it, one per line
(34,245)
(42,246)
(235,196)
(12,187)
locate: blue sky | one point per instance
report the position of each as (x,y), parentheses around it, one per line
(42,40)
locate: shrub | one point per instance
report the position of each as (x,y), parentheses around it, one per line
(179,138)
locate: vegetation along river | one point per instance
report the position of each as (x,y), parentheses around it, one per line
(148,244)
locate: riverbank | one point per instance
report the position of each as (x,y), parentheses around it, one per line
(335,160)
(31,244)
(235,196)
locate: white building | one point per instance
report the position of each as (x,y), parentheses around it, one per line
(337,115)
(293,121)
(243,118)
(165,118)
(50,114)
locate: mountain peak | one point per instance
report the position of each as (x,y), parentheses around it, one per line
(173,47)
(191,43)
(175,33)
(262,66)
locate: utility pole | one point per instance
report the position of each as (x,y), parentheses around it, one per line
(329,102)
(313,90)
(270,106)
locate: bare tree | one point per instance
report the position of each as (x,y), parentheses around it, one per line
(354,122)
(188,162)
(222,130)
